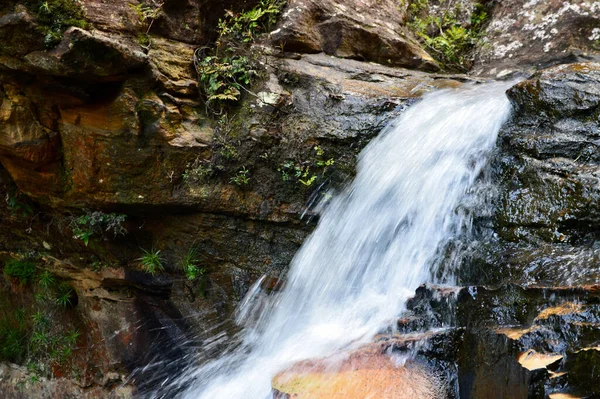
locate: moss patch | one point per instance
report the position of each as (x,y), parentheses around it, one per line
(56,16)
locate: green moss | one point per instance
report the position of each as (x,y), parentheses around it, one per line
(21,270)
(56,16)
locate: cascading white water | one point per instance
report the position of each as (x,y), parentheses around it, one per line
(375,243)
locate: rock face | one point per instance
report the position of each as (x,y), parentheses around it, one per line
(546,169)
(544,244)
(528,35)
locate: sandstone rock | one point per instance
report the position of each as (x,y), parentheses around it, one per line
(528,35)
(173,67)
(366,30)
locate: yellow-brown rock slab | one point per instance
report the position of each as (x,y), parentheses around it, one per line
(364,374)
(561,310)
(533,360)
(563,396)
(515,333)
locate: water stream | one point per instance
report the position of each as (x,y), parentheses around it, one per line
(374,245)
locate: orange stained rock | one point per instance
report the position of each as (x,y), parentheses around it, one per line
(362,375)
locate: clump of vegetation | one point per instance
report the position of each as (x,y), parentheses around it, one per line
(451,33)
(18,204)
(197,172)
(34,338)
(33,333)
(97,223)
(247,25)
(22,270)
(307,172)
(241,178)
(55,16)
(191,265)
(151,261)
(230,68)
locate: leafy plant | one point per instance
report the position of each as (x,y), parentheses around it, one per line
(23,270)
(151,261)
(241,177)
(13,335)
(97,223)
(191,267)
(39,319)
(196,172)
(247,25)
(445,33)
(223,77)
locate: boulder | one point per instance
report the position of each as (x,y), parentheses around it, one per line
(358,29)
(527,35)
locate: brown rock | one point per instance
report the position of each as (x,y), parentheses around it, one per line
(89,55)
(172,64)
(360,29)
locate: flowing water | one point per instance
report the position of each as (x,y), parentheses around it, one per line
(374,245)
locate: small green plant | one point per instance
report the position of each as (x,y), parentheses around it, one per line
(23,270)
(445,34)
(151,261)
(148,12)
(64,295)
(46,280)
(97,223)
(222,77)
(13,335)
(18,204)
(308,172)
(191,267)
(241,178)
(197,172)
(39,319)
(72,336)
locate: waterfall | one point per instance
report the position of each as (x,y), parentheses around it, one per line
(374,245)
